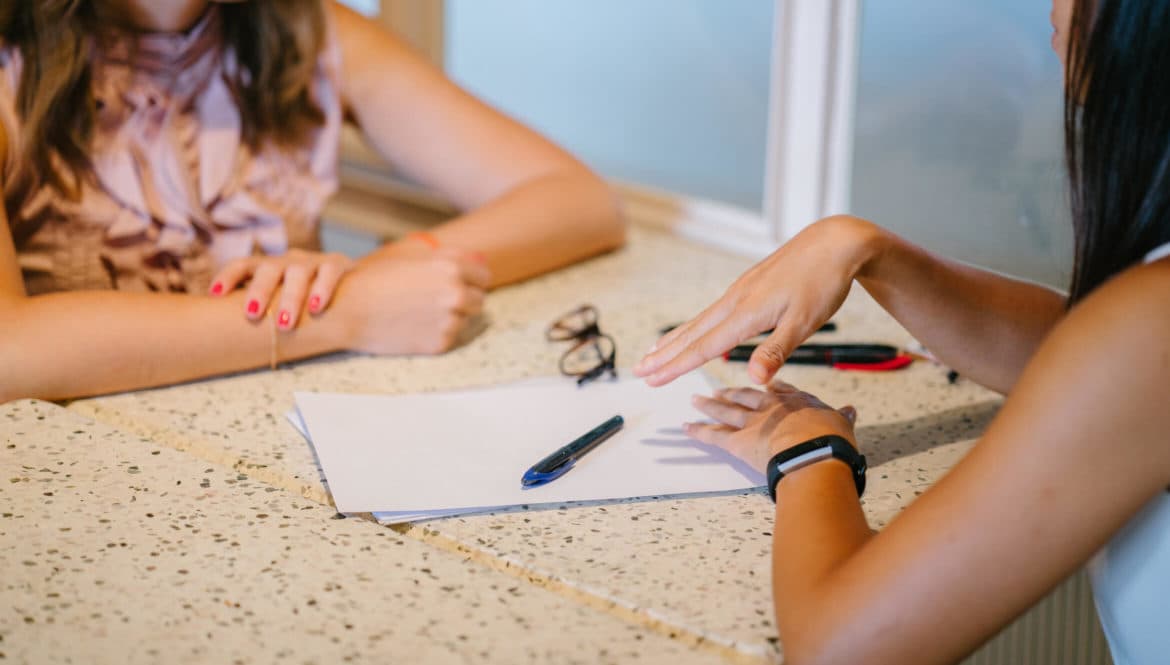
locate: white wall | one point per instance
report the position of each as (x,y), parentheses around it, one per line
(671,93)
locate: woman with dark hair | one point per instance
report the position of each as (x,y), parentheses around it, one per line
(155,149)
(1076,466)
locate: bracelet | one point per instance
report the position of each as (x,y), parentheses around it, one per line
(425,238)
(811,452)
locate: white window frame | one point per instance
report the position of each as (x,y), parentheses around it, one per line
(808,154)
(808,158)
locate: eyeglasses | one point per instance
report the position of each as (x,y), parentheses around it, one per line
(593,353)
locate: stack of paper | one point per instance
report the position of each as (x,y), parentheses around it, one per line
(410,457)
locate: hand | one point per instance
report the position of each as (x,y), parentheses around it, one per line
(409,306)
(794,290)
(306,280)
(754,425)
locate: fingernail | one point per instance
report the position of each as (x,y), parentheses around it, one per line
(284,318)
(314,304)
(253,306)
(216,288)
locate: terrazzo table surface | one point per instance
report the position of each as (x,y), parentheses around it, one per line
(694,570)
(119,550)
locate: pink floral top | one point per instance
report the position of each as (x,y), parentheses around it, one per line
(176,193)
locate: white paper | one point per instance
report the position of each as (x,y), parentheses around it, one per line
(436,454)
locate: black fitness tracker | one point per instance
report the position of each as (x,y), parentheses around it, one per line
(811,452)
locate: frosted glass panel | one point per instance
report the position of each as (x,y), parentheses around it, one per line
(670,93)
(959,132)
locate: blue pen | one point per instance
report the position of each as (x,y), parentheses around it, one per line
(555,465)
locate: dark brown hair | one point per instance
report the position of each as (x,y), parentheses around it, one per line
(276,43)
(1117,135)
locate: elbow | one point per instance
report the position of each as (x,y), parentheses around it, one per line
(13,373)
(811,636)
(607,225)
(9,392)
(817,643)
(802,645)
(803,651)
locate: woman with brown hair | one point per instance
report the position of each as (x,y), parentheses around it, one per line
(153,150)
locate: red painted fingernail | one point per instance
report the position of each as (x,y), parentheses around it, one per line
(285,317)
(253,306)
(314,304)
(217,288)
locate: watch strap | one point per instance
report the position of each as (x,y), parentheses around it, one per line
(813,451)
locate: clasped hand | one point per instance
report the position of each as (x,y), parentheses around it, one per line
(384,303)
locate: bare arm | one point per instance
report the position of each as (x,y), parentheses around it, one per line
(530,207)
(1076,452)
(88,342)
(985,325)
(83,343)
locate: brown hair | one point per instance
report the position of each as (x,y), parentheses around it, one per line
(276,43)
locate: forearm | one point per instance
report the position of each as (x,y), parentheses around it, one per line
(983,325)
(544,224)
(84,343)
(529,206)
(819,524)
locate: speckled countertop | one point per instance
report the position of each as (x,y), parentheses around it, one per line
(693,572)
(118,550)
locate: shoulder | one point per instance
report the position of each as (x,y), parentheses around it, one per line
(346,20)
(1135,303)
(1128,317)
(1112,350)
(359,36)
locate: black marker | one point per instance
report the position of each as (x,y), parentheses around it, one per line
(842,356)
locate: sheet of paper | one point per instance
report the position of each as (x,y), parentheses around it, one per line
(294,419)
(427,454)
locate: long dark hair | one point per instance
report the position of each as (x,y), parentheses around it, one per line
(1117,135)
(276,44)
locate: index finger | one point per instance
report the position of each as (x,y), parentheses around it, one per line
(673,342)
(711,345)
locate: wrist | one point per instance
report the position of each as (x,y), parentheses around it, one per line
(779,444)
(873,244)
(831,473)
(817,452)
(337,328)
